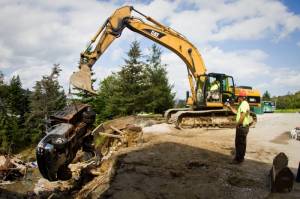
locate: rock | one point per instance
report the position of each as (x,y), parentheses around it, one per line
(12,168)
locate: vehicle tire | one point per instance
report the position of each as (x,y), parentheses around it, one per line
(59,142)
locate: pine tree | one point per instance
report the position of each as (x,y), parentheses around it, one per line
(18,98)
(266,96)
(138,87)
(132,82)
(107,103)
(13,105)
(47,98)
(159,93)
(3,99)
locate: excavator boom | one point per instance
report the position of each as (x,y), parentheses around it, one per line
(112,29)
(202,95)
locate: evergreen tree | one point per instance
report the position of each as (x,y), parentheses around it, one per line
(266,96)
(18,98)
(3,99)
(47,98)
(107,103)
(3,112)
(132,80)
(13,105)
(159,93)
(138,87)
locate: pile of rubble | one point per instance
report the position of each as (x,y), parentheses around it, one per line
(11,168)
(109,137)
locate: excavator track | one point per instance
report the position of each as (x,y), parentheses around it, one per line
(222,118)
(172,111)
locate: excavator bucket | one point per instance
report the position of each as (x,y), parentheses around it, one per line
(82,79)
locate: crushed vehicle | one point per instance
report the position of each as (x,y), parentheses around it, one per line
(70,131)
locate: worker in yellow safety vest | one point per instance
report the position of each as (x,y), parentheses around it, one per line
(242,126)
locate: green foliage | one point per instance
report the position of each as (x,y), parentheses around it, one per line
(132,79)
(289,101)
(22,113)
(13,106)
(108,102)
(47,98)
(159,96)
(180,104)
(140,86)
(3,100)
(287,110)
(266,96)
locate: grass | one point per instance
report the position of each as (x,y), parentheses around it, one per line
(295,110)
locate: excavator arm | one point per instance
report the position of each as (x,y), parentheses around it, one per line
(113,28)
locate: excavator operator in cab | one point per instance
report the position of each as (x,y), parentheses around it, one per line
(214,91)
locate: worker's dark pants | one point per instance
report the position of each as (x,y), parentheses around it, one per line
(240,142)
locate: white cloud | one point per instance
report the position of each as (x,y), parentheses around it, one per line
(40,33)
(247,67)
(158,9)
(36,34)
(29,75)
(177,73)
(298,44)
(236,20)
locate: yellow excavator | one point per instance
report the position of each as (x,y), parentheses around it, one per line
(209,91)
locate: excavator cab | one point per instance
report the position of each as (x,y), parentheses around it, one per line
(217,88)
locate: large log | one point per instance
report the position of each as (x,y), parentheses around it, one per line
(281,176)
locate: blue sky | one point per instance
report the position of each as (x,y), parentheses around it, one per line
(256,41)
